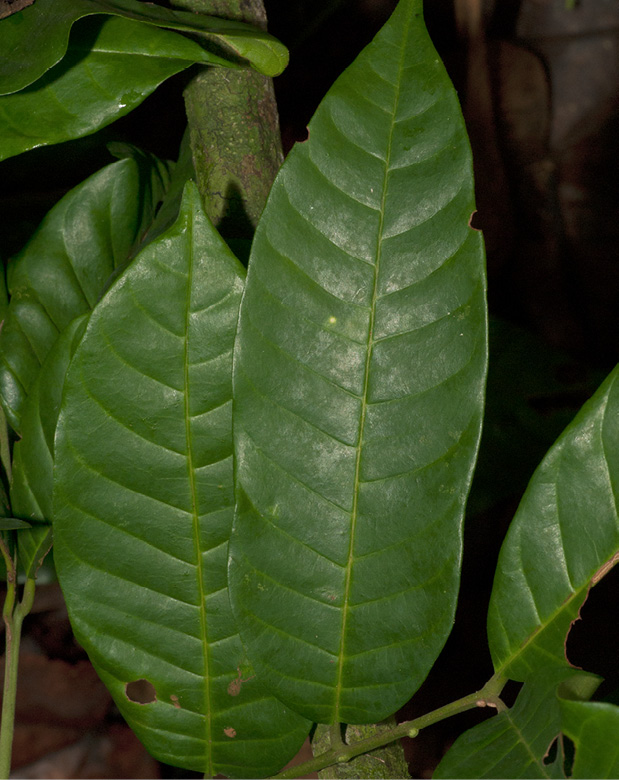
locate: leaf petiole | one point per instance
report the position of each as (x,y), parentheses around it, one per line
(488,696)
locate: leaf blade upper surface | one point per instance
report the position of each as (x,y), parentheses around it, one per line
(143,504)
(515,743)
(33,454)
(564,536)
(61,272)
(111,66)
(359,371)
(35,41)
(593,727)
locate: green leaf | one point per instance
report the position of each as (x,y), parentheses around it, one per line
(593,728)
(33,455)
(143,505)
(183,171)
(61,272)
(36,39)
(12,523)
(564,537)
(515,743)
(110,67)
(359,373)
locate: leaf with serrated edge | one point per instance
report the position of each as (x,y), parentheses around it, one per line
(358,379)
(564,537)
(38,39)
(33,454)
(515,743)
(143,505)
(61,272)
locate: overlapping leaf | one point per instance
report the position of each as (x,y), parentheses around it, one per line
(516,743)
(143,505)
(37,39)
(110,67)
(33,455)
(593,728)
(564,537)
(62,270)
(358,378)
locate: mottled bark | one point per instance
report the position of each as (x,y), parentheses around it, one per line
(234,131)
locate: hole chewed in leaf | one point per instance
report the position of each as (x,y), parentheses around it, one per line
(551,753)
(597,618)
(141,692)
(175,701)
(230,732)
(474,222)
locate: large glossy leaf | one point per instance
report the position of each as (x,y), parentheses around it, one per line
(565,535)
(110,67)
(593,728)
(359,373)
(143,505)
(516,743)
(36,39)
(33,455)
(62,270)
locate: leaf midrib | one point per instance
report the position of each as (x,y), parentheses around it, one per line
(364,398)
(208,755)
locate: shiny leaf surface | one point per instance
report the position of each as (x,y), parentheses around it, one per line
(61,272)
(37,39)
(358,381)
(33,454)
(564,537)
(143,505)
(110,67)
(515,743)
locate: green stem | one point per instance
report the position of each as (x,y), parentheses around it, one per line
(13,619)
(488,696)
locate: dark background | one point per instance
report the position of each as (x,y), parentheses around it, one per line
(540,92)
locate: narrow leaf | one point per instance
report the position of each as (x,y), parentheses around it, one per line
(33,455)
(12,523)
(593,728)
(143,505)
(359,373)
(564,537)
(515,743)
(61,272)
(110,67)
(37,39)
